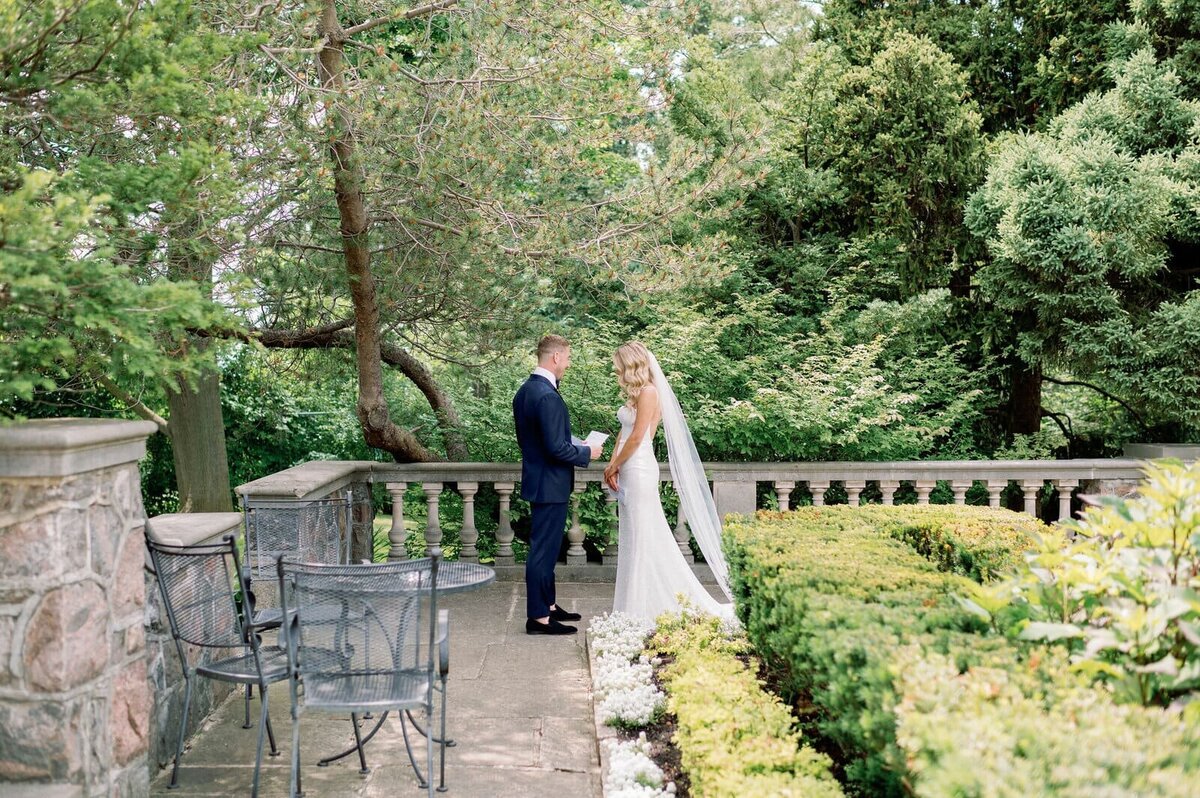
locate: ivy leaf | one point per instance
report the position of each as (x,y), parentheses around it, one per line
(1049,632)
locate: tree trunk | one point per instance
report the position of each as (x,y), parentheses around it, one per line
(373,415)
(1025,399)
(198,444)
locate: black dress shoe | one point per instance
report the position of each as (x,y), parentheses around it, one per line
(559,614)
(532,627)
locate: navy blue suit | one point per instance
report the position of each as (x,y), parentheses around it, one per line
(548,463)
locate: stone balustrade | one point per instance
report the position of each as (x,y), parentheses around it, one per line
(1047,488)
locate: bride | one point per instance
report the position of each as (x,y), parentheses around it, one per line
(651,571)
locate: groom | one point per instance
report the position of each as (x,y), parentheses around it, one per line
(547,461)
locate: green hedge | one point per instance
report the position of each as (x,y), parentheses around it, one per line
(736,739)
(843,609)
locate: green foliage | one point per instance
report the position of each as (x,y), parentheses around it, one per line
(1120,589)
(895,672)
(736,739)
(1081,223)
(68,306)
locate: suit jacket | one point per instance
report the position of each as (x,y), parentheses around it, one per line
(548,458)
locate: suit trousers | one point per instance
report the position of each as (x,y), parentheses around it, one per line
(548,522)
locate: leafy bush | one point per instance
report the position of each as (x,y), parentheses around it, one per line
(1120,590)
(845,612)
(735,738)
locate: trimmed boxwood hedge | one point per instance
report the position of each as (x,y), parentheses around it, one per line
(736,739)
(843,607)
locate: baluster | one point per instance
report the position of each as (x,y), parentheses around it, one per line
(575,552)
(504,531)
(682,535)
(1065,488)
(888,488)
(469,535)
(995,488)
(924,488)
(610,551)
(854,492)
(960,489)
(783,490)
(433,525)
(1029,489)
(817,489)
(397,534)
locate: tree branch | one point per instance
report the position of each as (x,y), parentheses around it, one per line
(134,404)
(412,13)
(1136,415)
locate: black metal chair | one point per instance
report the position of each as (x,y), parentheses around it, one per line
(200,587)
(354,640)
(305,530)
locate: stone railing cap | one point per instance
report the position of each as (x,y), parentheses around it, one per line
(51,447)
(186,529)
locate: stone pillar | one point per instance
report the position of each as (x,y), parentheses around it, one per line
(397,534)
(575,553)
(1064,487)
(960,488)
(924,488)
(735,498)
(1029,488)
(995,488)
(469,535)
(433,524)
(362,519)
(817,489)
(783,491)
(683,535)
(888,488)
(854,492)
(611,550)
(504,531)
(74,697)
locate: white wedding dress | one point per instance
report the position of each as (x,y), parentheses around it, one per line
(651,571)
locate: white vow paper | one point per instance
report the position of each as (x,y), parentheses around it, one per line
(594,439)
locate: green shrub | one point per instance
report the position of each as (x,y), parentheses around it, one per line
(735,738)
(845,612)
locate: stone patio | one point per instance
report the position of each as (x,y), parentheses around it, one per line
(520,708)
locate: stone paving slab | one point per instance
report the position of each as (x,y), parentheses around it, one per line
(520,709)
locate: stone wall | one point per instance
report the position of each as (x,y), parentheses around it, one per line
(74,703)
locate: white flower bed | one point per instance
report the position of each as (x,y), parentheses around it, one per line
(625,690)
(631,772)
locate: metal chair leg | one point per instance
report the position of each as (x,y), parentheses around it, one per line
(421,781)
(358,743)
(429,747)
(296,792)
(263,721)
(442,742)
(262,690)
(249,695)
(187,708)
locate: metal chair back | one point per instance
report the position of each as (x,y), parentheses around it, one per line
(361,638)
(201,588)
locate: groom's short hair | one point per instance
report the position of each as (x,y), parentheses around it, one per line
(551,343)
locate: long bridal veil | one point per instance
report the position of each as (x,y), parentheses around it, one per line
(690,481)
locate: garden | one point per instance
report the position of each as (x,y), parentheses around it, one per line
(929,651)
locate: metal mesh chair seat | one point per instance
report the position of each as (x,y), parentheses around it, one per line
(244,669)
(202,589)
(360,638)
(367,692)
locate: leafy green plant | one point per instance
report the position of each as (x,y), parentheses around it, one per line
(1120,589)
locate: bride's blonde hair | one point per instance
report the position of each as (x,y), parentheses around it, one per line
(632,361)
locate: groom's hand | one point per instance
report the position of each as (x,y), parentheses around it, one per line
(595,451)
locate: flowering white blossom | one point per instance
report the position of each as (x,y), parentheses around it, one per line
(631,772)
(624,688)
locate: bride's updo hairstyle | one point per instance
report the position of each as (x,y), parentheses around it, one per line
(632,361)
